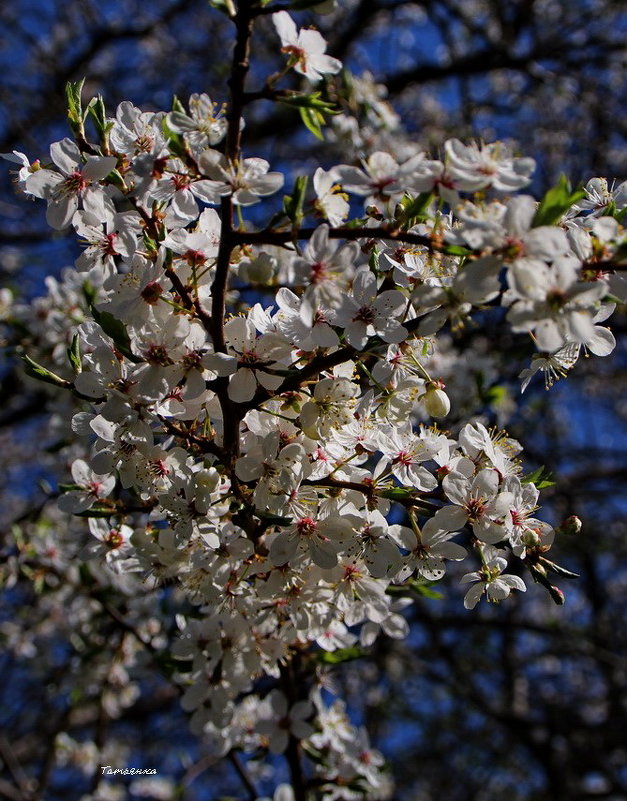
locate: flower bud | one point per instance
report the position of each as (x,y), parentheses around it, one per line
(557,595)
(436,401)
(531,538)
(572,525)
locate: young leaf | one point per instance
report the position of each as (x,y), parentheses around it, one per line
(117,331)
(311,118)
(74,355)
(556,202)
(35,370)
(339,656)
(413,209)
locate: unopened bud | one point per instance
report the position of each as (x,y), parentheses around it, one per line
(557,595)
(436,402)
(531,538)
(572,525)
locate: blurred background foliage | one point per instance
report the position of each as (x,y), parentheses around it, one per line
(524,702)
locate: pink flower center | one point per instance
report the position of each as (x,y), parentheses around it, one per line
(74,183)
(307,526)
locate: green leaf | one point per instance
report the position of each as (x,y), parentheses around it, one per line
(69,487)
(96,511)
(413,209)
(175,141)
(293,204)
(177,105)
(397,494)
(117,331)
(540,478)
(273,520)
(311,119)
(41,373)
(495,395)
(339,656)
(456,250)
(90,293)
(74,105)
(558,569)
(303,5)
(556,202)
(74,355)
(225,6)
(312,100)
(96,109)
(425,590)
(312,110)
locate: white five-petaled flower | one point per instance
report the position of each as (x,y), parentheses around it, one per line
(205,125)
(255,358)
(91,487)
(478,502)
(330,202)
(476,166)
(76,180)
(306,48)
(491,579)
(277,721)
(366,314)
(248,179)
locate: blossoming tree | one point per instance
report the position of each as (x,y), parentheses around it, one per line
(258,394)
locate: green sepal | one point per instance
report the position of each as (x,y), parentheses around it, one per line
(41,373)
(556,202)
(359,222)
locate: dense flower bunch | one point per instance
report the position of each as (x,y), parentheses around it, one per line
(263,402)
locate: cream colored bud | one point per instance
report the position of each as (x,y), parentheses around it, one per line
(436,402)
(572,525)
(531,538)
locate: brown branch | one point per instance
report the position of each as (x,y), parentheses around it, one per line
(388,234)
(243,774)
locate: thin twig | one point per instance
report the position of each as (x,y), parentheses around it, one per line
(243,774)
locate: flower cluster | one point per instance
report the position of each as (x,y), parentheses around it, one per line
(262,403)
